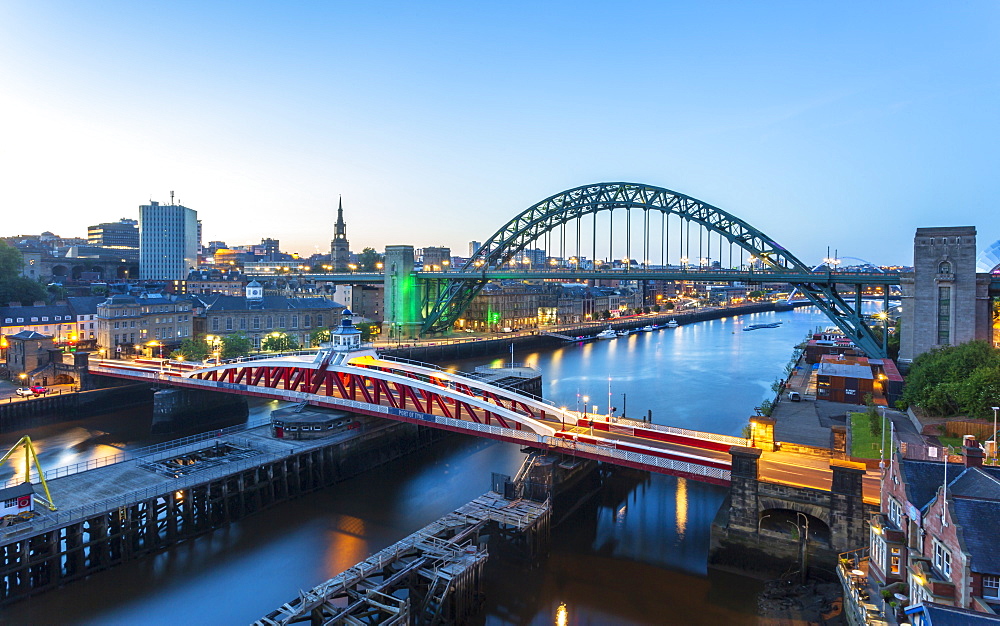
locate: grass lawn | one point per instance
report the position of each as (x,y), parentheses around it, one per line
(863,444)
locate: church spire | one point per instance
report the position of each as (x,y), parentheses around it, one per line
(340,229)
(340,251)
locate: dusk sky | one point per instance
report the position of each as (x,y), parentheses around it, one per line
(823,124)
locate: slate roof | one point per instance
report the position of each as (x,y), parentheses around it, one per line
(218,302)
(28,312)
(29,334)
(942,615)
(922,479)
(975,483)
(84,305)
(979,520)
(24,489)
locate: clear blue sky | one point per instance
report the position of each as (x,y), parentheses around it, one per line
(823,124)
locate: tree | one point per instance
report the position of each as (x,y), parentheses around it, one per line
(955,379)
(21,289)
(192,350)
(11,261)
(319,336)
(605,315)
(369,259)
(656,308)
(756,295)
(235,345)
(279,342)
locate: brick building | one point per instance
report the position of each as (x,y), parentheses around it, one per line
(940,541)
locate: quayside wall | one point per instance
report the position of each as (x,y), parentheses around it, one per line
(444,349)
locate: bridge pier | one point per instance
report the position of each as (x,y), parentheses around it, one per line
(814,524)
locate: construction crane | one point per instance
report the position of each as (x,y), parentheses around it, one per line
(29,458)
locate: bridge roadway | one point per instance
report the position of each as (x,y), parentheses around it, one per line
(367,383)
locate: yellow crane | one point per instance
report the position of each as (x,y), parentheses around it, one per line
(29,457)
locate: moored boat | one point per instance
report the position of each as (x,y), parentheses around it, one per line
(672,324)
(607,333)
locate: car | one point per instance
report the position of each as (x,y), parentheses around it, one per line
(24,392)
(794,396)
(38,389)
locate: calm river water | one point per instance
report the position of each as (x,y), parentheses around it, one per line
(631,555)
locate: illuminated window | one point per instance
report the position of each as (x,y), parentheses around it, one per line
(895,512)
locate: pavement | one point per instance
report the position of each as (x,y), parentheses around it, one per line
(7,391)
(808,422)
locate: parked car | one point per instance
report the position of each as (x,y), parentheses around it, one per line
(38,389)
(24,391)
(794,396)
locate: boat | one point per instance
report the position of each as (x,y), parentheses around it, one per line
(607,333)
(647,327)
(672,324)
(758,326)
(623,333)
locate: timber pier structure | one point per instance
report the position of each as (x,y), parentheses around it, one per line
(133,507)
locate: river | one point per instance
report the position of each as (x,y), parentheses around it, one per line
(635,554)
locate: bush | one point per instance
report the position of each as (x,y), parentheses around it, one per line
(962,379)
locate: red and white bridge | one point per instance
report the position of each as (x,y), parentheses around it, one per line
(362,381)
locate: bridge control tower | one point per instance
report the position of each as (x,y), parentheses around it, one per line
(945,302)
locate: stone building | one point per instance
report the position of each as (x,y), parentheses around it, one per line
(257,315)
(945,302)
(151,323)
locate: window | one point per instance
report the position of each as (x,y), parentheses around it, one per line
(942,559)
(894,562)
(295,321)
(229,323)
(215,323)
(895,512)
(243,323)
(944,316)
(256,323)
(944,268)
(307,321)
(991,586)
(45,318)
(281,321)
(10,503)
(268,322)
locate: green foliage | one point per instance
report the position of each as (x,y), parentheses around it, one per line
(962,379)
(747,432)
(864,444)
(777,385)
(756,294)
(656,308)
(874,421)
(98,290)
(319,336)
(605,315)
(192,350)
(10,261)
(21,289)
(235,345)
(279,342)
(646,309)
(766,408)
(669,306)
(368,260)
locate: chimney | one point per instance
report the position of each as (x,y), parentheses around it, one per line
(971,452)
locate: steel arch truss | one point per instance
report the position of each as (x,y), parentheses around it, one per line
(446,301)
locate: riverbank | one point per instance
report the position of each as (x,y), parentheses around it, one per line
(491,345)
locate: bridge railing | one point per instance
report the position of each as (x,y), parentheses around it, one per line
(673,430)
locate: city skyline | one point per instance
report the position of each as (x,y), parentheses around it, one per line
(439,124)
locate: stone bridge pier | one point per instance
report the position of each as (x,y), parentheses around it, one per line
(765,528)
